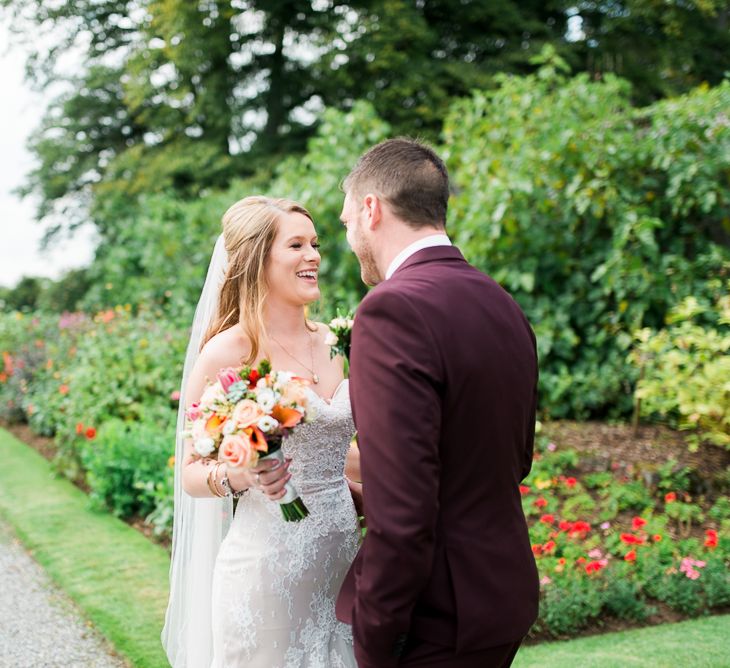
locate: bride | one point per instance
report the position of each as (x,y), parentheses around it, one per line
(261,593)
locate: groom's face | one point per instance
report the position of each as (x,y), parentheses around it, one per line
(353,218)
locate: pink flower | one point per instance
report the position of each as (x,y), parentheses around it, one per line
(237,450)
(552,447)
(605,526)
(226,377)
(175,395)
(595,554)
(545,581)
(194,412)
(246,413)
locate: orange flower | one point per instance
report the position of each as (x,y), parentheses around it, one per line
(8,363)
(214,425)
(540,503)
(3,377)
(287,417)
(258,440)
(63,389)
(171,462)
(630,556)
(537,550)
(90,433)
(657,537)
(79,428)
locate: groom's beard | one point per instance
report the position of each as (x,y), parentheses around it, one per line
(368,268)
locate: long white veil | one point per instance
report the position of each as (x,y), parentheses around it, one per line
(199,525)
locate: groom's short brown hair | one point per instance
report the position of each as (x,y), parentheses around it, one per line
(409,176)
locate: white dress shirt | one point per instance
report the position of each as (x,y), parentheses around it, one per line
(427,242)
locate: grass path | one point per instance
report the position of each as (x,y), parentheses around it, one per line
(698,643)
(116,576)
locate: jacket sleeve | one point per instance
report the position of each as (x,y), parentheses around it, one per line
(395,379)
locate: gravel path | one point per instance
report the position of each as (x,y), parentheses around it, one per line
(39,625)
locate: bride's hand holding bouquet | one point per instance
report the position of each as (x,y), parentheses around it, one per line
(243,417)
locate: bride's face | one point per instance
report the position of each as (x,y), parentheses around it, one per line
(293,263)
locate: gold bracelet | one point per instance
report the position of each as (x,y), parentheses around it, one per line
(212,489)
(215,480)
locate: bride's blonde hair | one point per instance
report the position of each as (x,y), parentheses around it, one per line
(249,229)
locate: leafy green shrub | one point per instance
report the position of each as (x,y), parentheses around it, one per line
(596,216)
(124,462)
(685,371)
(569,606)
(624,599)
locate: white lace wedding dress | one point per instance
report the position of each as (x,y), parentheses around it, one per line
(275,582)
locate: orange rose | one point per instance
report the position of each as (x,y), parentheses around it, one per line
(246,413)
(237,450)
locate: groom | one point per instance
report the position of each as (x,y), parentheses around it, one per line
(443,383)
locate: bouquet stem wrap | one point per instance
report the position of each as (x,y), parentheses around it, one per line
(291,504)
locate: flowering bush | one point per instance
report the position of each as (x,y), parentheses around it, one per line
(617,547)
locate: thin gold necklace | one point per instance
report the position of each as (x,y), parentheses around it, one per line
(315,377)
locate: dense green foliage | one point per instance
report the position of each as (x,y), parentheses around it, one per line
(685,370)
(596,216)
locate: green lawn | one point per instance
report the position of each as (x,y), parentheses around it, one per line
(116,576)
(699,643)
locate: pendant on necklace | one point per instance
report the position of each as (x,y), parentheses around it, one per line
(315,378)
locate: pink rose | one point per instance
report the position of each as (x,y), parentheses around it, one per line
(294,393)
(194,411)
(226,377)
(246,413)
(237,450)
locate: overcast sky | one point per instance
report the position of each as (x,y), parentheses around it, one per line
(20,112)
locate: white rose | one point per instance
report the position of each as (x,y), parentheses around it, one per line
(261,384)
(350,323)
(267,423)
(283,377)
(204,446)
(213,394)
(266,398)
(338,323)
(331,339)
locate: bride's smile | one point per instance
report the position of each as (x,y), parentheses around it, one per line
(293,264)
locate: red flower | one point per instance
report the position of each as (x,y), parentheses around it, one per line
(565,525)
(670,497)
(657,537)
(79,428)
(630,556)
(630,539)
(90,433)
(570,482)
(547,519)
(637,523)
(540,503)
(63,389)
(579,527)
(3,377)
(536,550)
(253,378)
(580,560)
(524,489)
(711,538)
(593,567)
(561,561)
(548,547)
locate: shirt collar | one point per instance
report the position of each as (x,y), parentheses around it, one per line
(426,242)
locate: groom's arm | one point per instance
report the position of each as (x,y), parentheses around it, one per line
(394,381)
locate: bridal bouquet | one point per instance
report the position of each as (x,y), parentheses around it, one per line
(243,417)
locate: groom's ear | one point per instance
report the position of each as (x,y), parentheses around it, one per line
(373,210)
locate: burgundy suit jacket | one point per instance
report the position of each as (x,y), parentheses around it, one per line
(443,382)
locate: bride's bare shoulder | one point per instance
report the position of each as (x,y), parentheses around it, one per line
(227,348)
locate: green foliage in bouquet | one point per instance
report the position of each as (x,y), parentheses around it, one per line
(685,370)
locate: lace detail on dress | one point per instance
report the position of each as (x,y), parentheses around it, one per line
(276,582)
